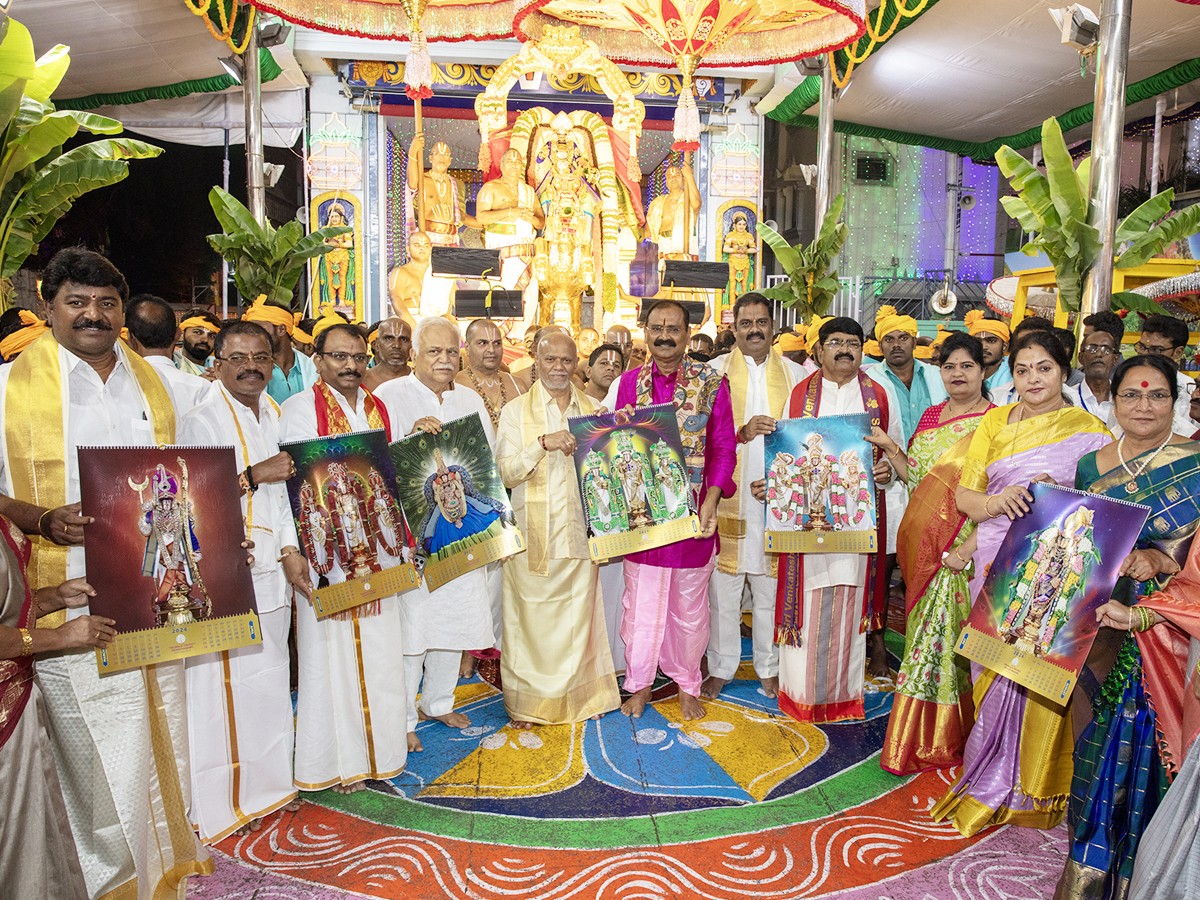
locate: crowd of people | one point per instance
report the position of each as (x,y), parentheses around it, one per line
(119,782)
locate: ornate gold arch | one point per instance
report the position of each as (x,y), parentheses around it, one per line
(560,51)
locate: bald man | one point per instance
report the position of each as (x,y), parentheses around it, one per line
(621,337)
(482,373)
(391,345)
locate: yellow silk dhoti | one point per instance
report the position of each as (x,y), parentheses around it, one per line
(556,666)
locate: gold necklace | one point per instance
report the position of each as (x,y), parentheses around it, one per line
(493,411)
(950,414)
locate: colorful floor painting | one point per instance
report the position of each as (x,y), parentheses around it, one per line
(742,804)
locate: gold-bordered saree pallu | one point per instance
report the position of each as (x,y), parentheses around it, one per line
(932,709)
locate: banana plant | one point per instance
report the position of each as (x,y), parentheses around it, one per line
(811,286)
(1053,207)
(38,181)
(265,259)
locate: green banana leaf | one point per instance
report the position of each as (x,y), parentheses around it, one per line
(1069,200)
(1142,219)
(33,144)
(1183,224)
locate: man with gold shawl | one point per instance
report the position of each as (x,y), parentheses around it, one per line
(350,716)
(120,744)
(293,372)
(760,382)
(557,666)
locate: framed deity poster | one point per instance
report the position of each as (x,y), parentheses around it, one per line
(820,487)
(633,481)
(165,553)
(351,529)
(1035,617)
(452,493)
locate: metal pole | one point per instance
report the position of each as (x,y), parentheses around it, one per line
(1112,58)
(1160,107)
(824,143)
(225,262)
(953,192)
(256,191)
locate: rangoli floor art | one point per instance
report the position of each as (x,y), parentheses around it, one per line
(745,803)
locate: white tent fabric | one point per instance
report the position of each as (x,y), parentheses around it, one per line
(201,119)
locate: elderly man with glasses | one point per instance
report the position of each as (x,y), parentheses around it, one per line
(1098,356)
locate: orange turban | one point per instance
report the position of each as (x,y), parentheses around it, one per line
(888,320)
(269,314)
(790,342)
(328,319)
(942,333)
(978,324)
(33,329)
(199,322)
(872,348)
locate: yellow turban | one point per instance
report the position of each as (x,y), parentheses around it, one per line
(328,319)
(199,322)
(269,314)
(977,324)
(814,329)
(371,334)
(888,320)
(942,333)
(33,329)
(872,348)
(300,336)
(923,351)
(790,342)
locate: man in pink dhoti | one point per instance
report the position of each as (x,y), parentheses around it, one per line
(665,605)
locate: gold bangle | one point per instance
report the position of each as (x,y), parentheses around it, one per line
(26,642)
(41,519)
(894,455)
(286,554)
(987,508)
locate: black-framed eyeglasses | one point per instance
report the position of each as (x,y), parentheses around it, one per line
(341,357)
(1100,349)
(1152,349)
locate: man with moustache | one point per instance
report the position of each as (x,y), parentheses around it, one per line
(556,665)
(198,328)
(665,605)
(994,336)
(350,716)
(1098,357)
(79,386)
(760,382)
(152,332)
(440,624)
(293,372)
(605,365)
(482,373)
(391,345)
(912,387)
(827,601)
(239,702)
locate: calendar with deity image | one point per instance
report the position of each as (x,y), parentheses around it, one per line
(820,491)
(351,528)
(1034,619)
(164,553)
(451,491)
(635,485)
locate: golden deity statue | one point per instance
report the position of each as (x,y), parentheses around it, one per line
(412,288)
(436,194)
(738,246)
(508,212)
(565,263)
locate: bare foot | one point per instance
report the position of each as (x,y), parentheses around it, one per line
(294,806)
(414,743)
(877,651)
(350,788)
(597,717)
(453,720)
(520,723)
(691,707)
(712,686)
(636,703)
(770,687)
(466,668)
(250,827)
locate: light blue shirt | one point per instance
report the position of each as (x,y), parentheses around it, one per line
(911,402)
(997,383)
(302,377)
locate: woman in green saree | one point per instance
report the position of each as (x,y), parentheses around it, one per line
(932,709)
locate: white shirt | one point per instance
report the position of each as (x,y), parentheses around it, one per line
(1081,395)
(298,417)
(822,570)
(186,390)
(214,423)
(751,455)
(97,413)
(407,400)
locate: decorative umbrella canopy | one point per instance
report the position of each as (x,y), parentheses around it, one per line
(719,32)
(442,20)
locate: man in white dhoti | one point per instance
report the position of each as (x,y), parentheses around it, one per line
(350,716)
(243,771)
(79,386)
(556,664)
(438,624)
(760,382)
